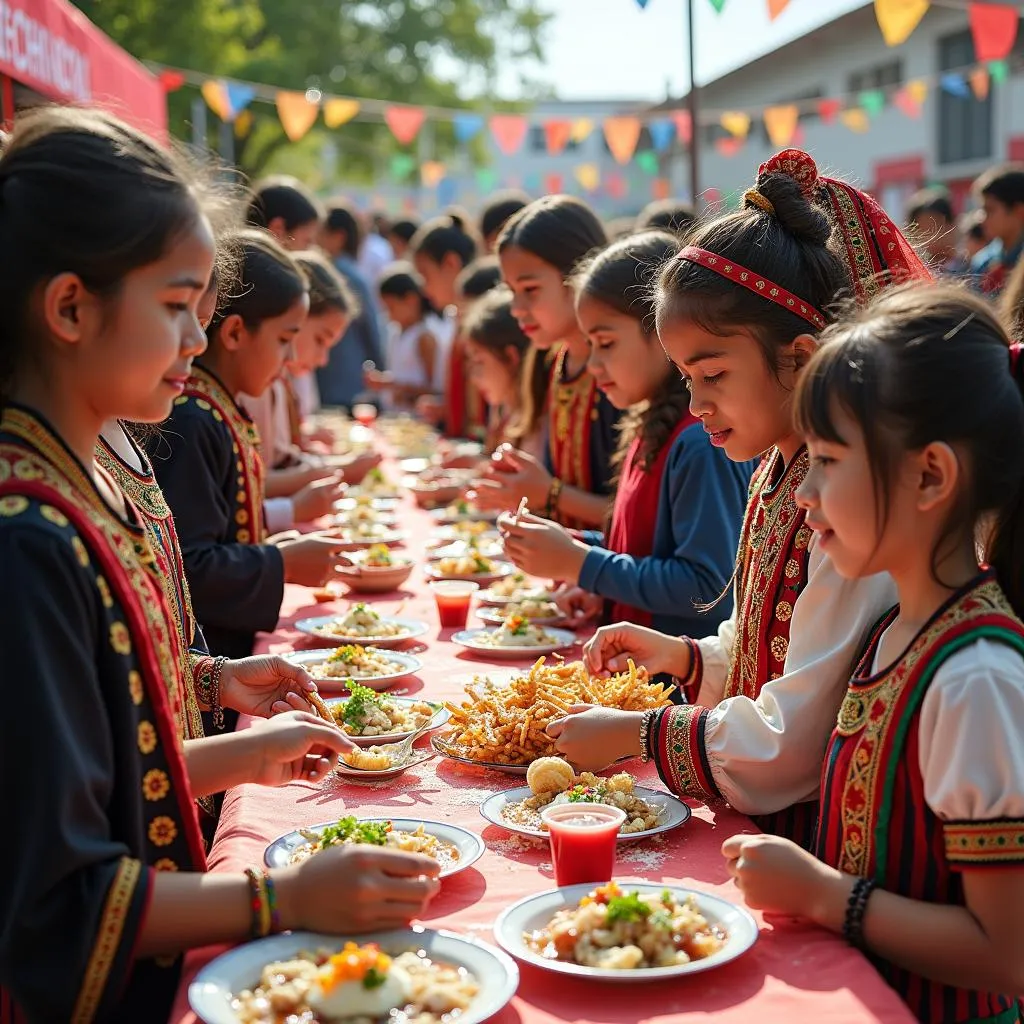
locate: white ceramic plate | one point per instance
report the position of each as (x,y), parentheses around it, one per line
(421,756)
(357,542)
(379,503)
(441,716)
(308,659)
(413,628)
(469,844)
(450,535)
(458,548)
(470,639)
(446,518)
(433,571)
(534,912)
(379,516)
(672,812)
(496,616)
(488,597)
(495,972)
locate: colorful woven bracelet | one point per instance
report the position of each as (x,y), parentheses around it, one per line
(258,903)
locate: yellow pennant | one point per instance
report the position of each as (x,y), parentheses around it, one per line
(855,119)
(736,123)
(918,89)
(898,18)
(297,114)
(243,124)
(581,129)
(216,97)
(339,112)
(431,173)
(588,176)
(780,123)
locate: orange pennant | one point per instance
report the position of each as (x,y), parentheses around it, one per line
(661,188)
(509,131)
(622,134)
(918,89)
(431,173)
(729,146)
(216,97)
(736,123)
(297,114)
(979,83)
(776,7)
(906,101)
(780,123)
(855,119)
(898,18)
(557,135)
(339,112)
(404,122)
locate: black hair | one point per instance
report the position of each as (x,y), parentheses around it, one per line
(282,197)
(497,210)
(443,235)
(673,215)
(479,277)
(1004,183)
(621,277)
(560,230)
(82,193)
(889,368)
(790,247)
(931,200)
(399,280)
(404,229)
(328,290)
(270,282)
(972,225)
(619,227)
(341,216)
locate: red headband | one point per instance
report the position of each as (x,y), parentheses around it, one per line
(1015,357)
(756,283)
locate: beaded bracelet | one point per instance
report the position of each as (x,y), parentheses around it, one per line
(271,888)
(214,692)
(853,923)
(259,903)
(554,493)
(645,734)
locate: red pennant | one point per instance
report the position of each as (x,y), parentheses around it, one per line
(684,126)
(994,27)
(799,137)
(905,101)
(171,81)
(729,146)
(553,183)
(829,109)
(509,131)
(661,188)
(615,184)
(404,122)
(557,135)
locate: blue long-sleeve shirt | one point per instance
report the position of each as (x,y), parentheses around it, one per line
(701,502)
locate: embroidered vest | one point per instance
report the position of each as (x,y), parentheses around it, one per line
(571,411)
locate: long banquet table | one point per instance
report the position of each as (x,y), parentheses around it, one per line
(795,972)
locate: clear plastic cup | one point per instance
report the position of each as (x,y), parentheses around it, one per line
(364,413)
(453,599)
(583,840)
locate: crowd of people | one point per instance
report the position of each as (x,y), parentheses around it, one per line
(772,453)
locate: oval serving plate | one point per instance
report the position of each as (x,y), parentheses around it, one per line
(469,638)
(439,718)
(309,659)
(311,627)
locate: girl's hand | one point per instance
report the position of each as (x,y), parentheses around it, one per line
(592,738)
(295,745)
(356,889)
(578,605)
(354,469)
(312,560)
(511,475)
(776,874)
(542,548)
(610,647)
(265,685)
(317,498)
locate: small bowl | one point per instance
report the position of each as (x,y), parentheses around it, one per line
(437,492)
(375,579)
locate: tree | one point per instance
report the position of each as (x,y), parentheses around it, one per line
(411,51)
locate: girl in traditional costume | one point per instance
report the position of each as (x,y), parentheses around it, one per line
(739,310)
(907,410)
(539,248)
(671,540)
(104,255)
(209,464)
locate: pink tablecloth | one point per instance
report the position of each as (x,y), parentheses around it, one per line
(795,972)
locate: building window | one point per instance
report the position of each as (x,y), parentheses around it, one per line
(882,76)
(965,123)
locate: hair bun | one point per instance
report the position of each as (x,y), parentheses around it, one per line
(795,164)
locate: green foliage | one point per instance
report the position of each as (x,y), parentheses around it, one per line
(410,51)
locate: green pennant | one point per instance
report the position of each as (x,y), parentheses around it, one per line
(718,5)
(873,101)
(486,179)
(402,165)
(999,70)
(647,162)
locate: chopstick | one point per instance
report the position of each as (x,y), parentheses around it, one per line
(519,511)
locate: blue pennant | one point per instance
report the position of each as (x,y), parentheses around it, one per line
(467,126)
(956,86)
(663,134)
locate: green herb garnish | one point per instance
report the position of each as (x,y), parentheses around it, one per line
(661,919)
(584,795)
(481,564)
(359,704)
(627,908)
(462,508)
(370,832)
(373,978)
(348,653)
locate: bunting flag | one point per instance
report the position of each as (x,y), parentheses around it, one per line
(405,122)
(904,100)
(898,18)
(955,85)
(588,176)
(999,70)
(339,112)
(776,7)
(780,123)
(736,123)
(873,101)
(918,89)
(239,97)
(509,131)
(486,179)
(641,4)
(431,173)
(216,97)
(994,29)
(622,134)
(648,162)
(243,124)
(662,134)
(297,114)
(553,184)
(979,83)
(556,135)
(467,126)
(171,81)
(581,128)
(718,5)
(828,110)
(661,188)
(684,126)
(615,185)
(729,146)
(401,166)
(855,119)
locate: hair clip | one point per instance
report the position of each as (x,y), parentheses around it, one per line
(950,335)
(1016,348)
(754,198)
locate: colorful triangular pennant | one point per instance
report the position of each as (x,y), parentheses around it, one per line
(622,134)
(955,85)
(509,131)
(855,119)
(736,123)
(405,122)
(467,126)
(873,101)
(898,18)
(828,109)
(780,123)
(557,135)
(994,29)
(339,112)
(776,7)
(431,173)
(684,126)
(297,114)
(663,132)
(216,97)
(581,128)
(588,176)
(979,80)
(648,162)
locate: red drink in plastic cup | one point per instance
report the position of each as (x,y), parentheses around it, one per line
(453,598)
(583,840)
(364,413)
